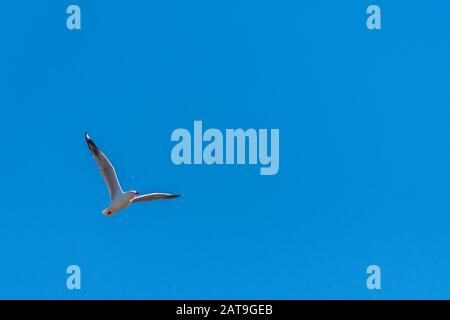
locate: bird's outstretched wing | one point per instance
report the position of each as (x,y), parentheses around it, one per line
(106,168)
(154,196)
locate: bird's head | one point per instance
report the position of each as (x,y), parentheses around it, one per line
(133,192)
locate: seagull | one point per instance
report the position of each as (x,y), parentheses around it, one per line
(119,199)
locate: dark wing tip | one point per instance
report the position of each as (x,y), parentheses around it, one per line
(91,143)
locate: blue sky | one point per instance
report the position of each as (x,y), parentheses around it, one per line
(364,149)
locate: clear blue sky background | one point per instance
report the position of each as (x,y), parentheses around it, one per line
(365,149)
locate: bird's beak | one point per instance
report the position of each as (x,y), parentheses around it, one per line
(137,192)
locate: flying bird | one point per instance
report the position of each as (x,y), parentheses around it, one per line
(119,199)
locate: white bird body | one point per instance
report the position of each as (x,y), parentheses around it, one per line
(119,199)
(120,202)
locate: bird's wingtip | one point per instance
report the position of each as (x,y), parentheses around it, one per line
(88,138)
(89,141)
